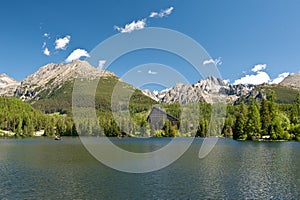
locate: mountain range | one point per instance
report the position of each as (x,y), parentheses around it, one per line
(52,85)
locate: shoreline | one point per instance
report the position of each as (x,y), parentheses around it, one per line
(15,136)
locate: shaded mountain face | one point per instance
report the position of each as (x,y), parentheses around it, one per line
(292,81)
(8,85)
(210,90)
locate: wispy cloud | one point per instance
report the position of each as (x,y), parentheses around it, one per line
(76,54)
(46,35)
(280,78)
(134,25)
(152,72)
(46,51)
(213,61)
(44,44)
(142,23)
(259,67)
(162,13)
(61,43)
(101,63)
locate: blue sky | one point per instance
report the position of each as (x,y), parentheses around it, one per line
(242,34)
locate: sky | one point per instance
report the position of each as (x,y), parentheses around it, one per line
(249,41)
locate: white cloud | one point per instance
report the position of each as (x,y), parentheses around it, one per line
(213,61)
(76,54)
(162,13)
(206,62)
(141,24)
(259,67)
(46,52)
(258,78)
(61,43)
(134,25)
(101,63)
(280,78)
(152,72)
(153,14)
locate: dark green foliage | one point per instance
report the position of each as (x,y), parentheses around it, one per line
(239,130)
(266,117)
(20,117)
(253,124)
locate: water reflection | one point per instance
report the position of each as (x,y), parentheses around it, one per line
(44,168)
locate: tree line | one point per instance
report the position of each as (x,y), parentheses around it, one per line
(253,120)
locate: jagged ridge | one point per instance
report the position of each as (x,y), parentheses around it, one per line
(209,90)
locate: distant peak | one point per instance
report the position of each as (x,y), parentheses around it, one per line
(212,80)
(3,75)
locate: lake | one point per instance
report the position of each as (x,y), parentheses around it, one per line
(41,168)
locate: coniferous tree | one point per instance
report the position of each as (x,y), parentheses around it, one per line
(275,129)
(253,124)
(265,117)
(240,123)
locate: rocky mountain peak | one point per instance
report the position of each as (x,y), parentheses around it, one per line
(61,72)
(51,75)
(5,79)
(210,89)
(7,85)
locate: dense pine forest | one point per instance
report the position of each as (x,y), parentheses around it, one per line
(250,120)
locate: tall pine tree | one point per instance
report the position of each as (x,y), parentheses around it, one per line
(253,123)
(240,124)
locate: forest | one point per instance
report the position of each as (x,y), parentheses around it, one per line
(23,120)
(249,120)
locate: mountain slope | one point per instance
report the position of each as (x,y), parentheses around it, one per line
(292,81)
(51,76)
(284,94)
(50,88)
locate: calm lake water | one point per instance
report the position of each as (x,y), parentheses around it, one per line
(41,168)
